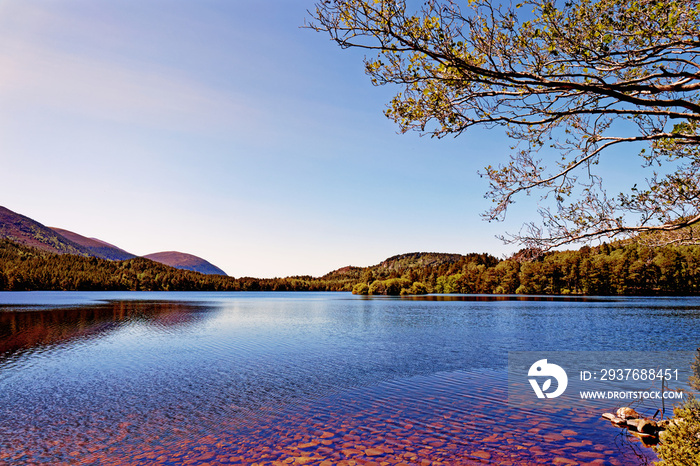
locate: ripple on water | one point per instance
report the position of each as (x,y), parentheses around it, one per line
(299,381)
(451,418)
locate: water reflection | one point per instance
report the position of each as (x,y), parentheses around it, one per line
(494,297)
(22,331)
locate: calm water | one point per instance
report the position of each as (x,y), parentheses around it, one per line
(306,378)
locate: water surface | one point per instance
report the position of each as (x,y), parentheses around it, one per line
(307,378)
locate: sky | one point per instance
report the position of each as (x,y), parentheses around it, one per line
(226,130)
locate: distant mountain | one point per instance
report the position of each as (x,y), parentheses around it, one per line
(185,261)
(24,230)
(97,248)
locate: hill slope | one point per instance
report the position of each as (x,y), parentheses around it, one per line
(24,268)
(181,260)
(24,230)
(419,259)
(97,248)
(28,232)
(400,264)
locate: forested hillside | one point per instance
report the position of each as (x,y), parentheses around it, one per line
(621,268)
(26,268)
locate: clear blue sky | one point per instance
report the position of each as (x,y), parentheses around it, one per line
(223,129)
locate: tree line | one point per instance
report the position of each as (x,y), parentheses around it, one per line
(619,268)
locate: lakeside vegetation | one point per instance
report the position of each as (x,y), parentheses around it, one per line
(620,268)
(680,443)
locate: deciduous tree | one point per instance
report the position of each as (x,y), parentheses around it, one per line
(568,81)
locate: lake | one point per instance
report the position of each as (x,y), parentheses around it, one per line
(309,378)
